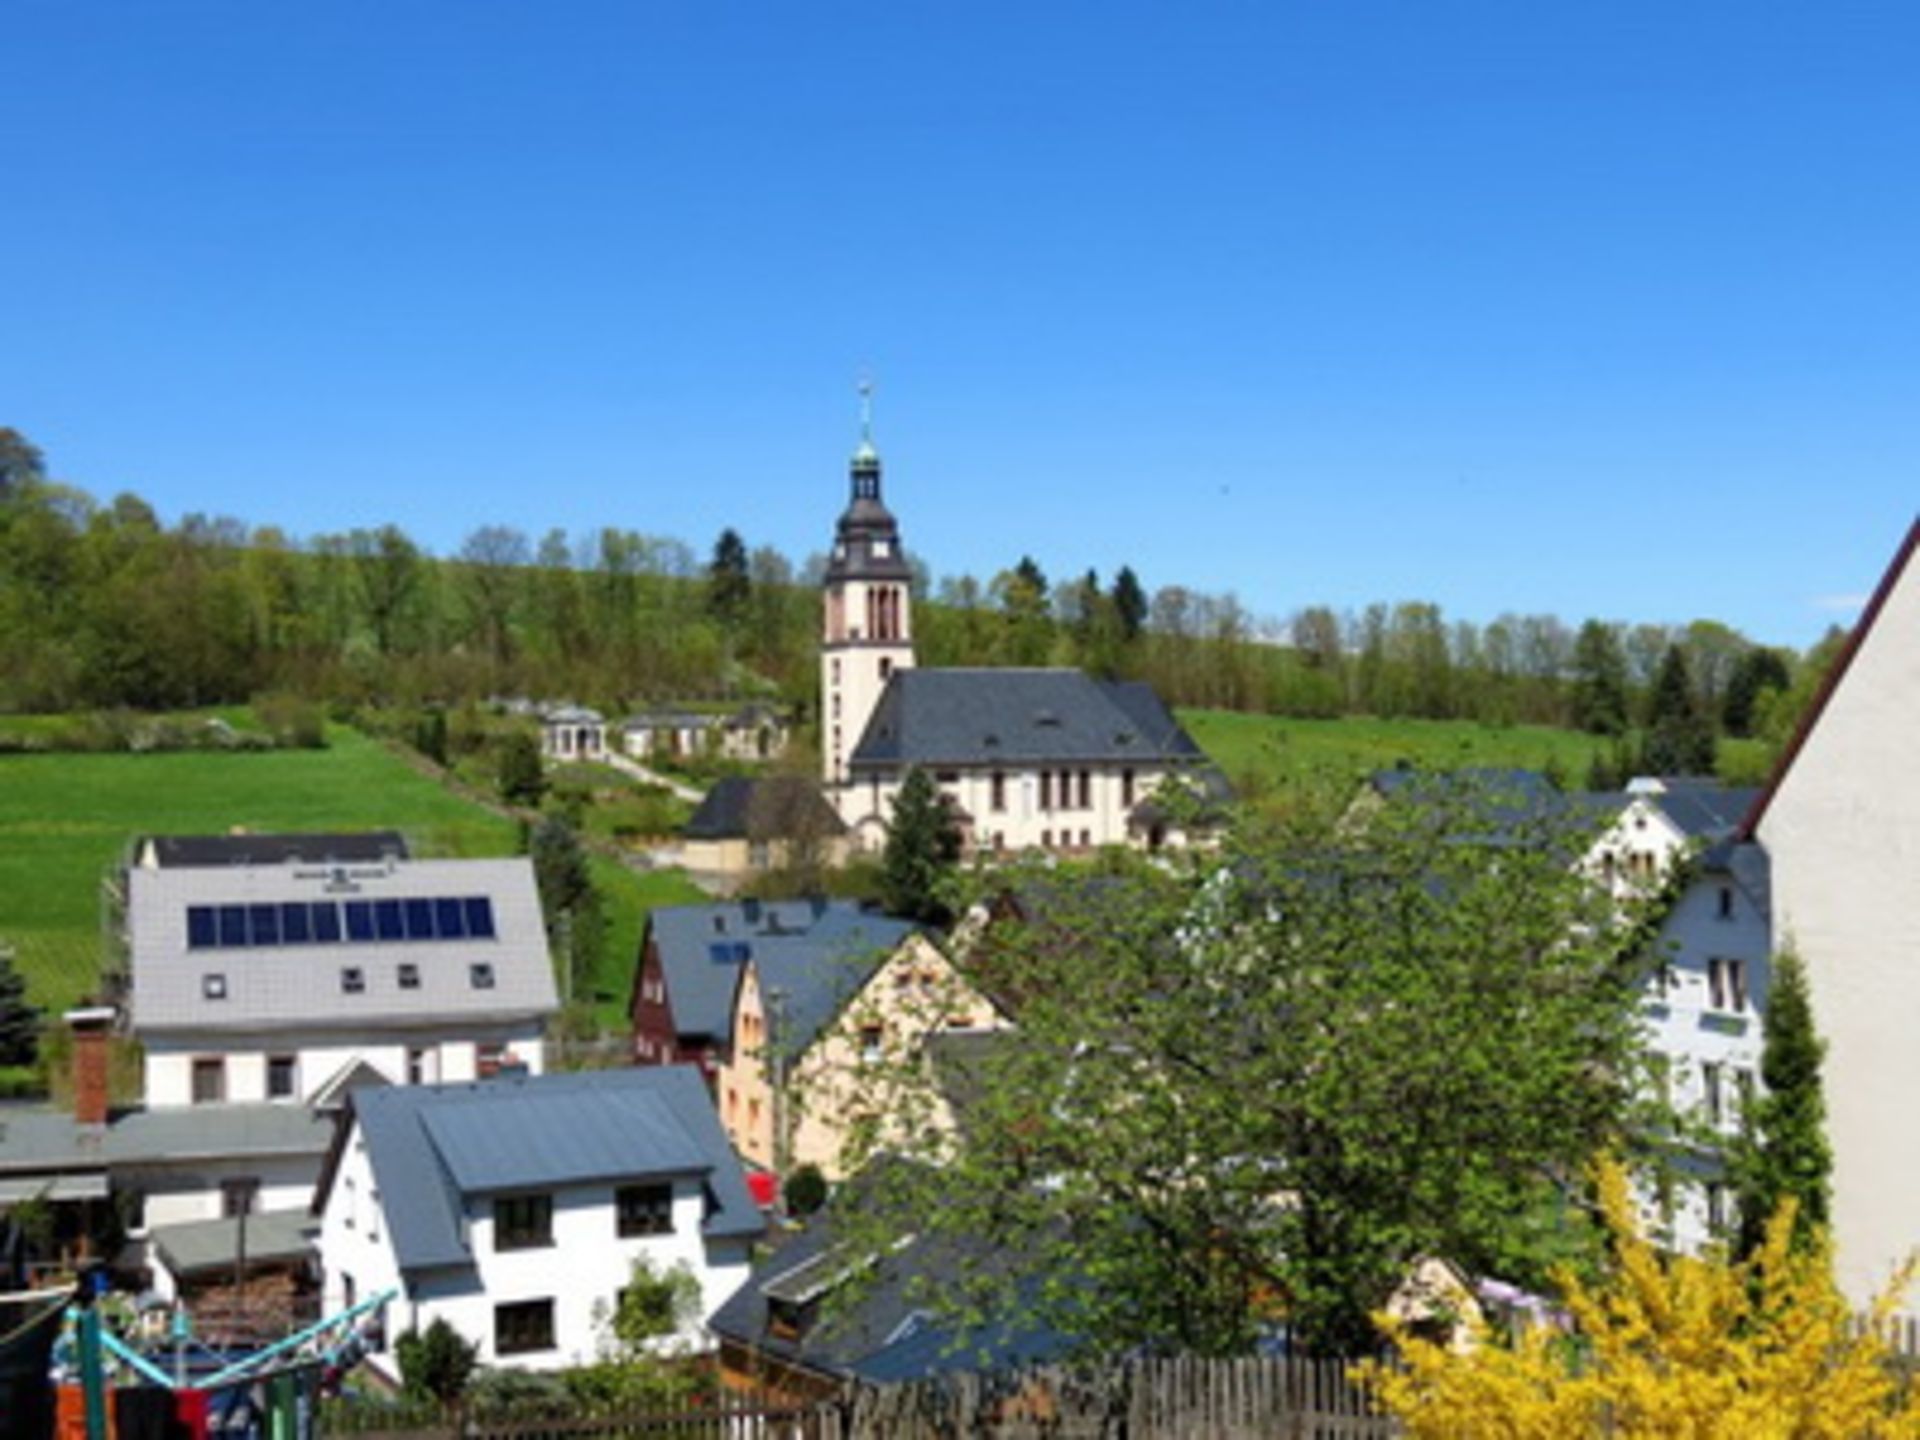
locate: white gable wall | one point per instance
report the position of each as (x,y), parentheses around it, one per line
(1843,829)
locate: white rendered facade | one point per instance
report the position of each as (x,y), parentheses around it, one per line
(1842,825)
(251,1067)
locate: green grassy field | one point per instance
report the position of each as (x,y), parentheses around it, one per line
(65,818)
(1276,752)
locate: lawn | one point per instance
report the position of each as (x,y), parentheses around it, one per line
(1278,752)
(66,818)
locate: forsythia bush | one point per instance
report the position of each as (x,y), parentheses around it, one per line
(1680,1349)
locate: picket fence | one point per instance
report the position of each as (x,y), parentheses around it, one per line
(1272,1399)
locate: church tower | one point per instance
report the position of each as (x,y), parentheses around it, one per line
(866,630)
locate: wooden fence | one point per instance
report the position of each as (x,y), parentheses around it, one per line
(1272,1399)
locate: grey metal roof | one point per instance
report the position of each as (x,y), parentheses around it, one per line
(36,1139)
(987,717)
(189,1132)
(808,947)
(363,847)
(571,715)
(431,1146)
(196,1246)
(1705,809)
(769,807)
(300,985)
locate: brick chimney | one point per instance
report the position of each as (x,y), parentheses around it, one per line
(91,1027)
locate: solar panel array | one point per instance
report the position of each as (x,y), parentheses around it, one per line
(333,922)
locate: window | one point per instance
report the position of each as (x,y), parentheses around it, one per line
(644,1209)
(353,980)
(1716,1207)
(1046,839)
(836,671)
(1046,789)
(1086,789)
(481,975)
(280,1075)
(409,976)
(488,1058)
(1710,1085)
(522,1222)
(886,667)
(523,1327)
(1066,789)
(239,1197)
(1726,902)
(209,1081)
(1743,1090)
(213,986)
(1086,839)
(1126,789)
(872,1038)
(1727,984)
(416,1067)
(997,791)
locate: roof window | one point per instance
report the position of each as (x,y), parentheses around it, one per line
(409,977)
(481,975)
(353,980)
(213,986)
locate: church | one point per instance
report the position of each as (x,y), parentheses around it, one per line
(1052,759)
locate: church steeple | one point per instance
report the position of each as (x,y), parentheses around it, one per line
(866,621)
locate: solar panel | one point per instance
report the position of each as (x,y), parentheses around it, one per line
(326,922)
(359,920)
(320,922)
(233,925)
(479,917)
(449,919)
(419,915)
(296,922)
(203,931)
(388,921)
(263,924)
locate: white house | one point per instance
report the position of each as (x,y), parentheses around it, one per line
(515,1208)
(1841,821)
(271,983)
(573,732)
(1029,758)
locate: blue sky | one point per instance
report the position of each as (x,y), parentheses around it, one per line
(1599,309)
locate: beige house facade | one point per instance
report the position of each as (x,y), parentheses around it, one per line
(1841,822)
(788,1100)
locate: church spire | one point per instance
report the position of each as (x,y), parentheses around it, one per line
(865,470)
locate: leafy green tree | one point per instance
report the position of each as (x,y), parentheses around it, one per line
(19,1021)
(923,847)
(729,578)
(436,1363)
(1254,1085)
(390,570)
(1783,1151)
(1129,603)
(20,461)
(1599,696)
(430,734)
(569,901)
(1679,739)
(521,778)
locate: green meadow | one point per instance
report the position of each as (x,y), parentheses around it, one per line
(65,819)
(1262,752)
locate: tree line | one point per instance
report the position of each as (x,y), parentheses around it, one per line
(103,605)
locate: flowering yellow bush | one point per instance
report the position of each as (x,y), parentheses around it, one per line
(1679,1349)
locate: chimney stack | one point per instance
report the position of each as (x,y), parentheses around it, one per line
(91,1026)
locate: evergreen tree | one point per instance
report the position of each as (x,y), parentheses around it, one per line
(1757,671)
(923,846)
(522,779)
(19,1021)
(1679,740)
(1599,680)
(1783,1147)
(576,922)
(729,578)
(1129,603)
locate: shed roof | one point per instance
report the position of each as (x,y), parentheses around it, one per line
(302,985)
(1013,717)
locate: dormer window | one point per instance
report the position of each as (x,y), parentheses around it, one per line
(353,980)
(213,986)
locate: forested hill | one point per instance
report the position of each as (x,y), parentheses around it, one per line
(102,605)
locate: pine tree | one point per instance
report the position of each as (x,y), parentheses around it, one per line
(1679,739)
(1599,680)
(1129,602)
(923,846)
(1754,673)
(576,922)
(729,579)
(1783,1149)
(19,1021)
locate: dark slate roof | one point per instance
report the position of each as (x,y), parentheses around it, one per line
(808,945)
(883,1334)
(772,807)
(1503,799)
(986,717)
(170,851)
(1705,809)
(433,1145)
(1747,864)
